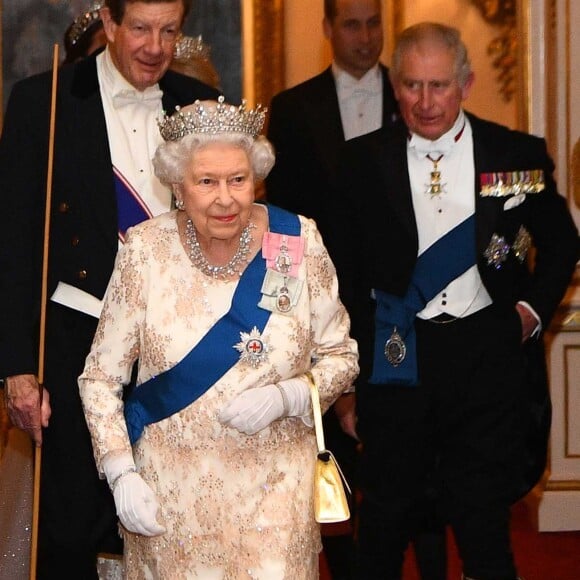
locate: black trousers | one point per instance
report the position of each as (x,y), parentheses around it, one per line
(77,513)
(456,437)
(429,542)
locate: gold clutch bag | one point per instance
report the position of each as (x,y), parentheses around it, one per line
(330,501)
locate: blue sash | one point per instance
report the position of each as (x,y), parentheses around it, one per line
(214,355)
(130,207)
(440,264)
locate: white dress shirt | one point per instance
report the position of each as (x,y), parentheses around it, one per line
(131,118)
(360,101)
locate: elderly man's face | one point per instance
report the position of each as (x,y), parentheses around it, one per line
(356,35)
(142,44)
(428,90)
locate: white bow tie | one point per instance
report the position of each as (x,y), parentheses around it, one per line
(423,147)
(149,98)
(350,86)
(441,146)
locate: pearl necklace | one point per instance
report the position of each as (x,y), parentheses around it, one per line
(234,266)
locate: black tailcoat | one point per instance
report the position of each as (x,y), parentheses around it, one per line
(374,243)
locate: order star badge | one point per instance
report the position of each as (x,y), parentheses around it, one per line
(253,350)
(497,251)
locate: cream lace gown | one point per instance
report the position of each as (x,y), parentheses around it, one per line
(235,506)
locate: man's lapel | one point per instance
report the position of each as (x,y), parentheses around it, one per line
(90,148)
(486,209)
(324,114)
(395,172)
(390,106)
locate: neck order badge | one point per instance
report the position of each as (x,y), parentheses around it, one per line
(435,187)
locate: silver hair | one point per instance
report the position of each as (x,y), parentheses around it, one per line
(437,33)
(172,157)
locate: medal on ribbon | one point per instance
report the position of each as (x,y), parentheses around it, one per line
(281,287)
(283,262)
(283,301)
(280,293)
(435,187)
(283,253)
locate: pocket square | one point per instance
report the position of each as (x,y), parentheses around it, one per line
(514,201)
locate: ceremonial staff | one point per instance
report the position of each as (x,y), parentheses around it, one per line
(43,300)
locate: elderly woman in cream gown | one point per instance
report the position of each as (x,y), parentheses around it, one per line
(225,303)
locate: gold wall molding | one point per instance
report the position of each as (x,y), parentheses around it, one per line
(504,48)
(572,485)
(571,322)
(262,49)
(569,386)
(575,170)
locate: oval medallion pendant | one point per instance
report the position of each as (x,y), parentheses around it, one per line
(395,349)
(283,262)
(283,302)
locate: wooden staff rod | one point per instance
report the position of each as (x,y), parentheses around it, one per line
(43,303)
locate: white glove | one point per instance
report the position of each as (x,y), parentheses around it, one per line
(255,409)
(135,501)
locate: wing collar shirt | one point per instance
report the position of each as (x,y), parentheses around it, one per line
(133,134)
(360,101)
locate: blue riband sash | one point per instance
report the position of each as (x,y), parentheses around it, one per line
(214,355)
(130,207)
(436,267)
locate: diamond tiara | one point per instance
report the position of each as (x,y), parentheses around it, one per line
(83,22)
(188,47)
(212,119)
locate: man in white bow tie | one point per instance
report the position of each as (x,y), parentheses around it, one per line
(310,122)
(447,311)
(106,134)
(308,126)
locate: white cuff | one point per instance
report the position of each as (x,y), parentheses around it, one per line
(297,399)
(117,465)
